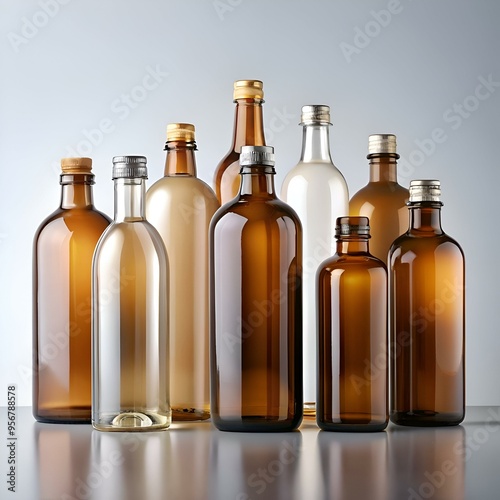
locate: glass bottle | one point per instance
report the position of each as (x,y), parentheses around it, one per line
(130,313)
(62,260)
(256,295)
(352,334)
(180,206)
(318,192)
(248,131)
(427,290)
(382,200)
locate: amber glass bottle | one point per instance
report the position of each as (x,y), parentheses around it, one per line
(248,131)
(427,290)
(256,305)
(352,334)
(62,261)
(382,200)
(180,206)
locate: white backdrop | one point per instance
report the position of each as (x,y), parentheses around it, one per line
(101,79)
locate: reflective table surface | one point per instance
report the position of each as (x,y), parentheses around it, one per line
(196,461)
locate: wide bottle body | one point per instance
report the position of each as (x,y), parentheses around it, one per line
(427,288)
(62,262)
(181,208)
(256,357)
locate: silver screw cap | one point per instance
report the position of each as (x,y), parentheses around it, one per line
(257,155)
(130,167)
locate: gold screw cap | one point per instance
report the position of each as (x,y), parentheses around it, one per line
(76,165)
(248,89)
(180,132)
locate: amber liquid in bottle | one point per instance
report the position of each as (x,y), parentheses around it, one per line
(256,295)
(248,130)
(62,262)
(180,206)
(382,200)
(352,334)
(427,290)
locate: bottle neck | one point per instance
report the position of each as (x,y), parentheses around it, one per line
(425,217)
(76,191)
(129,200)
(316,143)
(384,167)
(180,159)
(248,124)
(353,246)
(257,181)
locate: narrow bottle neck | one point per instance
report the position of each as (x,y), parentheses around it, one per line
(316,143)
(425,217)
(76,191)
(353,246)
(129,200)
(180,159)
(257,181)
(248,124)
(384,168)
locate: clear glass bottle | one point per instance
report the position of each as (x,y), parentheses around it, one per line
(180,206)
(130,385)
(427,299)
(382,200)
(256,295)
(352,334)
(318,192)
(248,131)
(62,261)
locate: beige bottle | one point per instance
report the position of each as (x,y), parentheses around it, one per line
(181,206)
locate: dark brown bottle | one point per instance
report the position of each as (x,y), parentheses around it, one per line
(62,261)
(352,334)
(256,305)
(248,131)
(427,285)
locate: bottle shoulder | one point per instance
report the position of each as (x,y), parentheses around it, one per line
(381,191)
(414,244)
(180,187)
(314,173)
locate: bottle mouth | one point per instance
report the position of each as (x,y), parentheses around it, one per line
(129,167)
(352,227)
(425,190)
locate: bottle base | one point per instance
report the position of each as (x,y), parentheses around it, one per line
(426,418)
(256,424)
(189,414)
(81,415)
(132,421)
(352,427)
(352,422)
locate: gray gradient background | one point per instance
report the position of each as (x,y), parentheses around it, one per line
(68,76)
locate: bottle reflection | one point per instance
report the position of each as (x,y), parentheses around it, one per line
(427,463)
(354,466)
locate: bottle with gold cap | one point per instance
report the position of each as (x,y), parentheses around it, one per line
(130,353)
(180,206)
(382,200)
(427,315)
(317,191)
(352,334)
(248,131)
(62,260)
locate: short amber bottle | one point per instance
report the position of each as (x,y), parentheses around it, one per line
(352,334)
(427,300)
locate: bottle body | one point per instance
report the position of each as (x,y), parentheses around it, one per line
(427,289)
(352,339)
(62,260)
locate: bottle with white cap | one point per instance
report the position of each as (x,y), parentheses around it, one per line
(256,305)
(180,206)
(382,200)
(317,191)
(130,385)
(427,311)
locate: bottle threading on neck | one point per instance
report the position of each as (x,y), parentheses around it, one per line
(180,158)
(425,218)
(248,124)
(316,143)
(383,167)
(129,199)
(76,191)
(257,181)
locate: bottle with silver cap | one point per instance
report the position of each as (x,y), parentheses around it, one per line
(180,206)
(248,131)
(62,262)
(130,385)
(382,200)
(352,334)
(427,311)
(318,192)
(256,305)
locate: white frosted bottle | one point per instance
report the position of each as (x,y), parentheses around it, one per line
(317,191)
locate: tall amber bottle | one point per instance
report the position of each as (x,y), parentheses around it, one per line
(352,334)
(180,206)
(382,200)
(256,305)
(248,131)
(62,262)
(427,290)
